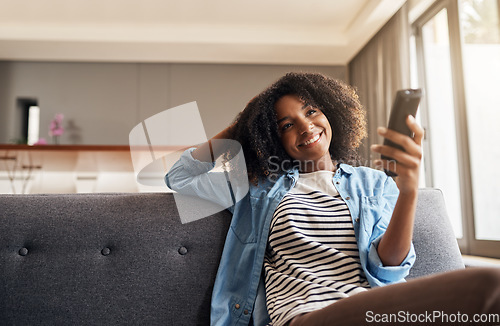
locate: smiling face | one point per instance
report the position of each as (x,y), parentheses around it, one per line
(305,133)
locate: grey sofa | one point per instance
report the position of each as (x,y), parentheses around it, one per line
(125,259)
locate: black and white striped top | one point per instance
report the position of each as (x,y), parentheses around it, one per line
(312,257)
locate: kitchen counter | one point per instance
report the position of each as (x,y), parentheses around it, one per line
(76,168)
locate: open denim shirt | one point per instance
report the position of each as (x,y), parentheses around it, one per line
(238,290)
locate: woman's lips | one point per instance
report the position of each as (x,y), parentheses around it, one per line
(312,141)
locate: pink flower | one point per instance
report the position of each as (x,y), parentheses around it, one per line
(56,128)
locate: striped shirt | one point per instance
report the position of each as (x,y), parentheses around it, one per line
(312,257)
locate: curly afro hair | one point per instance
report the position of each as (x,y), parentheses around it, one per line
(256,127)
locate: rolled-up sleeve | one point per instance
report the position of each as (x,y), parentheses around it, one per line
(388,274)
(183,171)
(189,176)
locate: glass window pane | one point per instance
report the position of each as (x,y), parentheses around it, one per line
(414,83)
(481,57)
(441,115)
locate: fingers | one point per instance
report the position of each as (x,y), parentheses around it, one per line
(418,131)
(400,168)
(395,159)
(411,145)
(410,158)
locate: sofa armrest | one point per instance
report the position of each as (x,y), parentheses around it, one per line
(433,237)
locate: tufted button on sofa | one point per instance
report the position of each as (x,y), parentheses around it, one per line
(126,259)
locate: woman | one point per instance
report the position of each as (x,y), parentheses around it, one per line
(315,240)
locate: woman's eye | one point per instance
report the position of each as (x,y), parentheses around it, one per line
(311,111)
(286,126)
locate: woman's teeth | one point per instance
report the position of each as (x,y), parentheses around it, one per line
(312,140)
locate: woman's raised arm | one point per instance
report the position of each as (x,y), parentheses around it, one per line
(396,242)
(208,152)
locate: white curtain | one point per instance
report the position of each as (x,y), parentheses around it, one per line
(378,70)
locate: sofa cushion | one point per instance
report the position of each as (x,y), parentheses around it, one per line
(107,259)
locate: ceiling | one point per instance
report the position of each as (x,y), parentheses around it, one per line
(317,32)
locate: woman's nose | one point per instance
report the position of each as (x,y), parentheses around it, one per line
(306,126)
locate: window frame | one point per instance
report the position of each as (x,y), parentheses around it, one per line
(468,243)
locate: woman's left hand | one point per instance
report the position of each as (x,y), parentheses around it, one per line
(405,163)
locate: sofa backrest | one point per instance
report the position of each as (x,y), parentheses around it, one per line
(126,259)
(105,259)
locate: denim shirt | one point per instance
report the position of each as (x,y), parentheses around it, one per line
(369,194)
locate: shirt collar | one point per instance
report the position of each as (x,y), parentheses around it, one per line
(293,173)
(346,168)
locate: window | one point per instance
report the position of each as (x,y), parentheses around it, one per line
(458,50)
(481,65)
